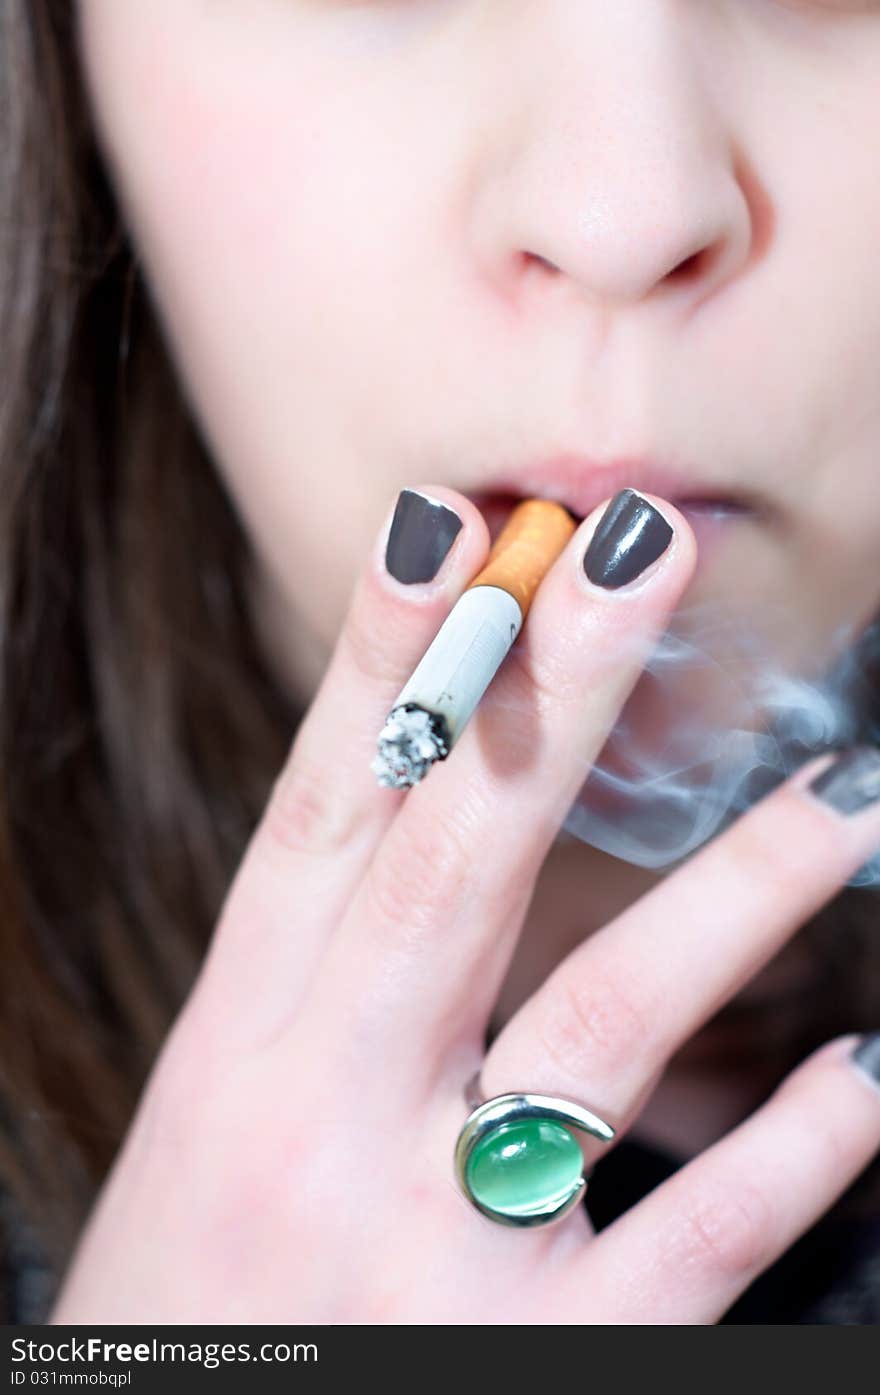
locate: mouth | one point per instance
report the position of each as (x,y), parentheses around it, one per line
(710,510)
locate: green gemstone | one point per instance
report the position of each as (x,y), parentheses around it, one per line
(524,1168)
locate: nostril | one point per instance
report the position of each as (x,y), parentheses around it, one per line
(694,266)
(689,265)
(535,259)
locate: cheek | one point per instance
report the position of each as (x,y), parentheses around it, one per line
(233,192)
(268,221)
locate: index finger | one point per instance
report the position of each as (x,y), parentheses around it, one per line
(326,813)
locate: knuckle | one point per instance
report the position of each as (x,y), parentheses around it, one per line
(816,1119)
(423,874)
(304,814)
(592,1018)
(756,852)
(755,855)
(372,639)
(722,1232)
(827,1148)
(542,683)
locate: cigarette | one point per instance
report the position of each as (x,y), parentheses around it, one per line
(435,705)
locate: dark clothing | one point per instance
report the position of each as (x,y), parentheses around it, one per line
(27,1283)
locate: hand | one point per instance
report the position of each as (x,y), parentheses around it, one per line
(290,1159)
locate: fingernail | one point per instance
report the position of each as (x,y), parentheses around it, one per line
(631,534)
(852,781)
(867,1056)
(422,533)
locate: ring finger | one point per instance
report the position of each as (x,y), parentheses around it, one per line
(604,1024)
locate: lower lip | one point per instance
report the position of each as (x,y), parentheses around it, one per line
(711,519)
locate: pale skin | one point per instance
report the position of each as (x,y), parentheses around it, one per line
(299,169)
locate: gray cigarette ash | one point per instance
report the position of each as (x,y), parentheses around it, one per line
(411,740)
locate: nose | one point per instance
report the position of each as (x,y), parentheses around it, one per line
(611,167)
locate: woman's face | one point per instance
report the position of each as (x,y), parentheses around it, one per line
(417,241)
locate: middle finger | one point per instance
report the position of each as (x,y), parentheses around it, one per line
(424,945)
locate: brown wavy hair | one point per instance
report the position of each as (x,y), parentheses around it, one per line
(140,726)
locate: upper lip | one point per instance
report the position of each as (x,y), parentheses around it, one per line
(580,483)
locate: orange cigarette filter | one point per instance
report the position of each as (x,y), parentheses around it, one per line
(526,548)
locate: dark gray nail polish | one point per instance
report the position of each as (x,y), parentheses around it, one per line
(630,536)
(422,533)
(852,781)
(867,1056)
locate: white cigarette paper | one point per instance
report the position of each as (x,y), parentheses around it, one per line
(433,708)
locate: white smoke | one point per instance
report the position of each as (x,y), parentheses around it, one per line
(653,806)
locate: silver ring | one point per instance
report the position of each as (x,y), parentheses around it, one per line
(498,1155)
